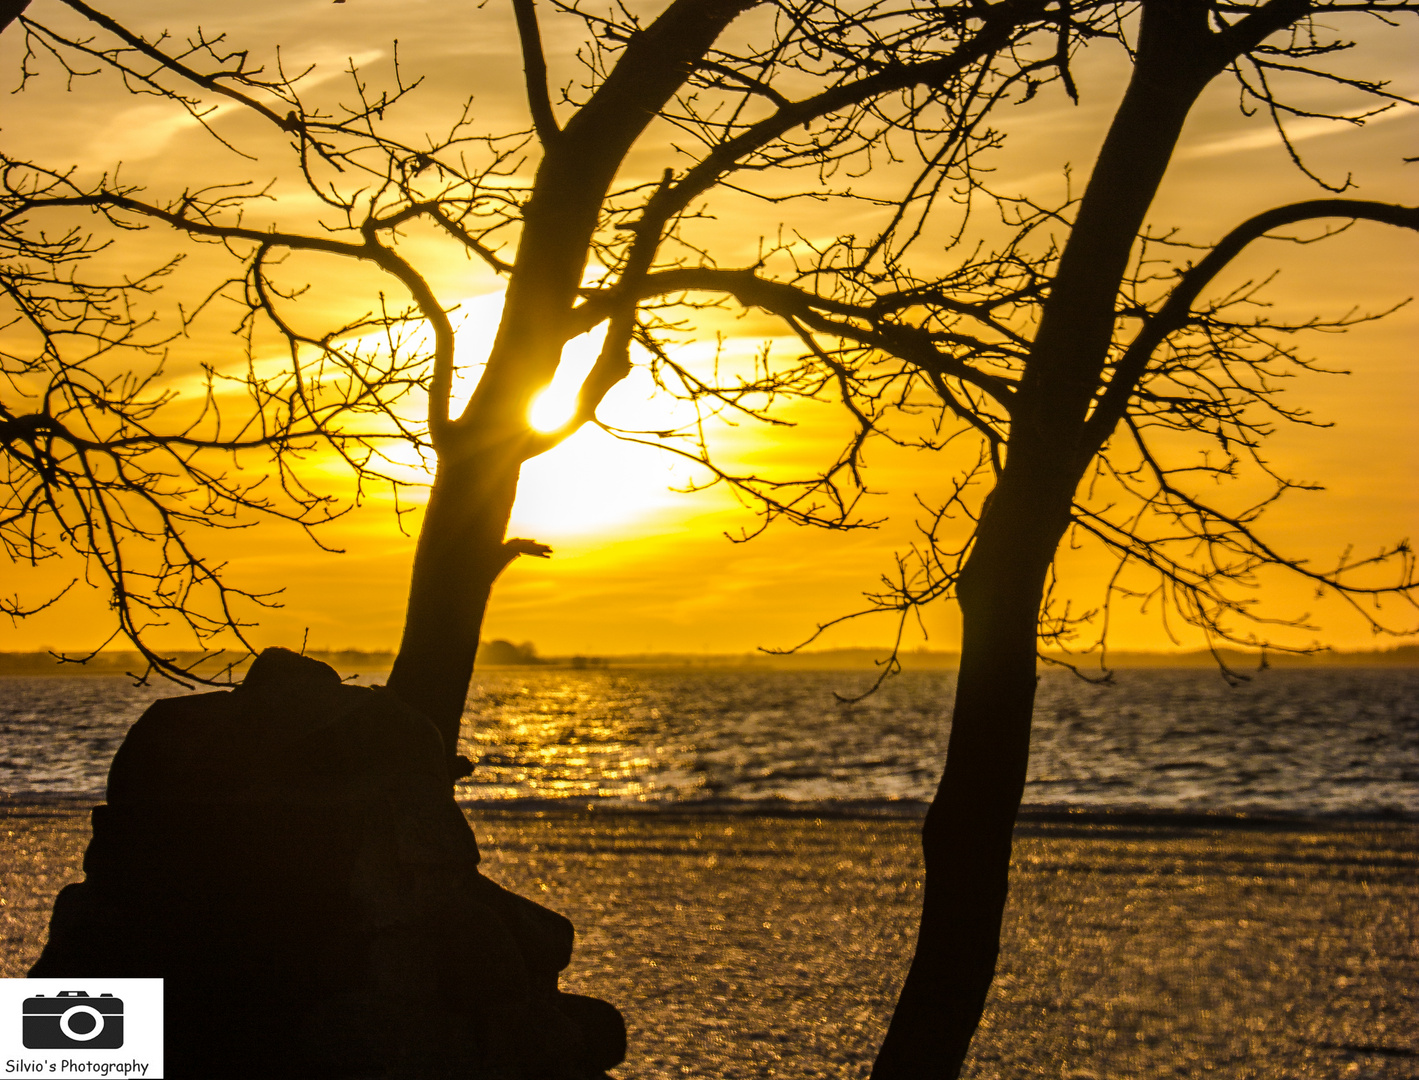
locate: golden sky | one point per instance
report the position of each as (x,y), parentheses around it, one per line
(639,567)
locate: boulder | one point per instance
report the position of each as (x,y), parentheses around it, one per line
(288,856)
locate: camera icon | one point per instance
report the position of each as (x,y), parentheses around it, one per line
(73,1021)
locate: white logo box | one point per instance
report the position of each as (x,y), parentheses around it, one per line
(60,1012)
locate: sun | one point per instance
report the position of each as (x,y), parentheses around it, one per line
(555,405)
(593,482)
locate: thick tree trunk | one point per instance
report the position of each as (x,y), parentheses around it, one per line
(460,551)
(459,555)
(967,836)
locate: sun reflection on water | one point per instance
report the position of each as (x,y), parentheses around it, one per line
(559,740)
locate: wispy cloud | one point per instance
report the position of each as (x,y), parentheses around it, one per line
(145,130)
(1297,131)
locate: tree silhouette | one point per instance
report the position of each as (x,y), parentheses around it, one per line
(1062,356)
(1108,395)
(109,462)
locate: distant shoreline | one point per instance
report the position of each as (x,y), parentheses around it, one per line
(354,660)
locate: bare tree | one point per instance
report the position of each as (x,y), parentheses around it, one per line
(1029,349)
(1108,393)
(101,456)
(852,80)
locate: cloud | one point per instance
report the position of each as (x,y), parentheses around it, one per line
(145,130)
(1297,131)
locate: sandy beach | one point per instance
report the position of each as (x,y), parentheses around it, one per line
(766,946)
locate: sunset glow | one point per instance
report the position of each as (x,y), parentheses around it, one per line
(593,483)
(555,405)
(608,505)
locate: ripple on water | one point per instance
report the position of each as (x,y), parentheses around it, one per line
(1339,741)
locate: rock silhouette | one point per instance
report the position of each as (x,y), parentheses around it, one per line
(288,856)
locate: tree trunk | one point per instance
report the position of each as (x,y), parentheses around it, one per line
(460,551)
(967,836)
(459,555)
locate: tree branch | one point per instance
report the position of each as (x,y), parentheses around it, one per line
(789,301)
(1174,313)
(289,123)
(10,10)
(534,70)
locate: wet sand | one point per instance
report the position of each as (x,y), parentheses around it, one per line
(744,947)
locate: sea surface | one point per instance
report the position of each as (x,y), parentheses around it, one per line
(1336,742)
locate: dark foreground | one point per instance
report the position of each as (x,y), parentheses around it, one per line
(772,947)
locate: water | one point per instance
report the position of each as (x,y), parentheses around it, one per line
(1337,741)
